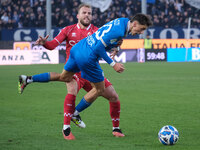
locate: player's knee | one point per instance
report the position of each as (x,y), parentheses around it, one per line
(72,87)
(73,91)
(65,78)
(114,97)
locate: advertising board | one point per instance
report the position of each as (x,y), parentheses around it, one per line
(183,54)
(18,57)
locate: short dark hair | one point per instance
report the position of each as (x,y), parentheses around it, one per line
(142,19)
(83,5)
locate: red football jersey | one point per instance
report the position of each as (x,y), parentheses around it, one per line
(71,34)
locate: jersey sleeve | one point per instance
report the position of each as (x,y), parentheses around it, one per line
(51,44)
(101,51)
(57,40)
(62,35)
(104,55)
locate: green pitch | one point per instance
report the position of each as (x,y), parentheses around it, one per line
(152,95)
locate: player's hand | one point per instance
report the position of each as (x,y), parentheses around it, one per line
(41,40)
(119,43)
(113,54)
(118,67)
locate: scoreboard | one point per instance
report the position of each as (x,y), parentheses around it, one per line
(155,55)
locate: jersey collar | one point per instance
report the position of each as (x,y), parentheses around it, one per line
(78,26)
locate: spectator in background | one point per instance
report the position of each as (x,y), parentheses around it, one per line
(71,20)
(156,20)
(20,24)
(5,18)
(196,20)
(26,20)
(41,20)
(1,25)
(165,22)
(32,20)
(172,21)
(153,10)
(178,5)
(10,24)
(15,17)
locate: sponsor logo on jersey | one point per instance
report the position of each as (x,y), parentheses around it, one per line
(113,41)
(116,22)
(90,40)
(72,42)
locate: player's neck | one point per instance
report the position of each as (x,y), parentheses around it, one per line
(82,26)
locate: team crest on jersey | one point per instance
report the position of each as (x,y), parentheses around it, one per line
(113,41)
(74,34)
(89,34)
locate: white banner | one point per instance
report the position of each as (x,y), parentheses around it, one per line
(24,57)
(194,3)
(103,5)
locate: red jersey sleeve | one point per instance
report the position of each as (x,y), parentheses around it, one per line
(57,40)
(51,44)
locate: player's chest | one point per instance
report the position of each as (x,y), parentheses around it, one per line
(75,36)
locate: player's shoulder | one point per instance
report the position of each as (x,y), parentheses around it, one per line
(119,26)
(69,27)
(118,21)
(93,27)
(66,30)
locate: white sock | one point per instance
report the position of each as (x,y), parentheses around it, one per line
(29,80)
(115,128)
(65,127)
(25,78)
(76,113)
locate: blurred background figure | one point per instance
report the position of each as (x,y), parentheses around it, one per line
(147,42)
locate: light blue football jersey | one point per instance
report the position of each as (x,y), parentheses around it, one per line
(107,36)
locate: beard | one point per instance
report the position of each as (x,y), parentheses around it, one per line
(85,23)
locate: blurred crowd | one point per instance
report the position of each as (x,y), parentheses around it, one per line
(31,13)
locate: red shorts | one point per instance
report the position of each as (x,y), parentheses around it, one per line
(85,84)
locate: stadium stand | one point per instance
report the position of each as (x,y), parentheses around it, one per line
(31,13)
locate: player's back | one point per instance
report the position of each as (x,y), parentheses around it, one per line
(109,34)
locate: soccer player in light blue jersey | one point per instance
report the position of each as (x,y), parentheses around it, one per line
(84,56)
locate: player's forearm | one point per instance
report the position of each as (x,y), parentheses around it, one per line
(50,45)
(104,55)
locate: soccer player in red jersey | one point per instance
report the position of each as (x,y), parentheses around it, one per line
(73,34)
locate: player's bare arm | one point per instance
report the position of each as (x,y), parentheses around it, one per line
(113,53)
(116,49)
